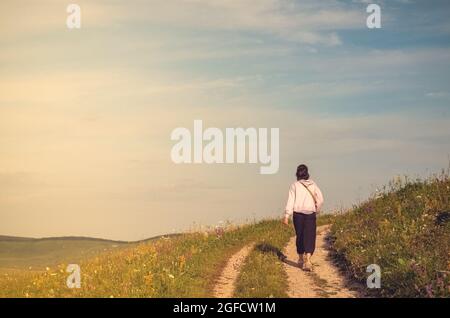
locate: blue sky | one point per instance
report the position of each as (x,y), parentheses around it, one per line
(86,115)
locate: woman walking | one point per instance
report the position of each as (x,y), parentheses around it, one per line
(304,202)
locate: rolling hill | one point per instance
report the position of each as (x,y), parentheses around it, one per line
(37,254)
(405,230)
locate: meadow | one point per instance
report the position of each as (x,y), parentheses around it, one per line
(182,266)
(404,229)
(36,254)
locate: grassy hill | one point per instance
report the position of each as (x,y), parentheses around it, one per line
(40,253)
(37,254)
(406,231)
(178,266)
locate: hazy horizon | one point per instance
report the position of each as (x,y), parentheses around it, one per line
(86,114)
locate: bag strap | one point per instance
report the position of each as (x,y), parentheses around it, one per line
(312,195)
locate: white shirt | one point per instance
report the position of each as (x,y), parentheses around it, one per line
(300,200)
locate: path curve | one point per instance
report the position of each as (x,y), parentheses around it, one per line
(225,285)
(324,281)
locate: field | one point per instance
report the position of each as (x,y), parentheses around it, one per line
(180,266)
(404,229)
(37,254)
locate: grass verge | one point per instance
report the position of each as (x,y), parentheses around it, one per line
(406,232)
(263,274)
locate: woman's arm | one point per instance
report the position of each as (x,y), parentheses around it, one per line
(319,198)
(289,210)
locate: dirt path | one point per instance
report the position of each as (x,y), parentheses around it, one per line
(324,281)
(224,287)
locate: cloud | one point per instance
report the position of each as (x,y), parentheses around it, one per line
(86,117)
(28,19)
(438,94)
(308,22)
(336,89)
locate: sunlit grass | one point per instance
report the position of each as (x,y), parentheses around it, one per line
(182,266)
(404,231)
(263,274)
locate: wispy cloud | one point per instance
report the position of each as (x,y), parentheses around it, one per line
(86,116)
(309,22)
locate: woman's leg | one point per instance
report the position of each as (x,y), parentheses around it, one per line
(310,233)
(299,229)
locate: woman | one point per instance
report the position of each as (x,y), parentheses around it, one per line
(304,201)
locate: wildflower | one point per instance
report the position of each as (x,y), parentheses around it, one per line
(148,279)
(182,262)
(429,290)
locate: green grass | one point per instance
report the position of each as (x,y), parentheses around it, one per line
(402,231)
(263,274)
(37,254)
(181,266)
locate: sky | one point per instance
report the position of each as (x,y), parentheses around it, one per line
(86,114)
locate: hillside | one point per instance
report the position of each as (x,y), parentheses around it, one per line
(184,265)
(40,253)
(405,230)
(37,254)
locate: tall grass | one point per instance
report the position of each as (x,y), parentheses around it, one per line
(405,230)
(182,266)
(263,274)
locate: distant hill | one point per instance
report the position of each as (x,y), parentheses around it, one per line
(14,238)
(39,253)
(28,239)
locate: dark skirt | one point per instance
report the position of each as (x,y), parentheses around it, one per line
(305,229)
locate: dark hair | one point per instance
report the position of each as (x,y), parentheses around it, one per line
(302,172)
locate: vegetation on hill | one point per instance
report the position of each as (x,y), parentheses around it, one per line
(263,274)
(180,266)
(37,254)
(405,230)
